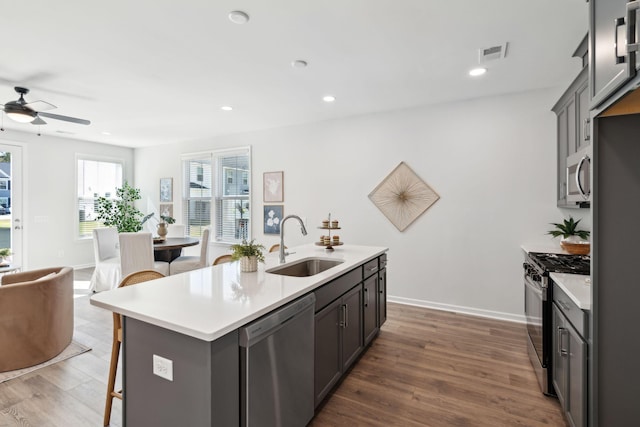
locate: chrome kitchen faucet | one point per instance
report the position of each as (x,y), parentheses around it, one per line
(303,229)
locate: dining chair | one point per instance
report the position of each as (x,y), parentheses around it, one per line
(191,262)
(106,273)
(130,279)
(136,254)
(176,230)
(222,259)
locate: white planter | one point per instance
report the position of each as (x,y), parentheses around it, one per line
(249,264)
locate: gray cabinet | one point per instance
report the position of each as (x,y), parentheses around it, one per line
(375,297)
(370,311)
(611,66)
(574,131)
(349,313)
(338,340)
(382,296)
(338,330)
(569,362)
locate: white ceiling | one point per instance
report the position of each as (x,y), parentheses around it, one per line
(157,71)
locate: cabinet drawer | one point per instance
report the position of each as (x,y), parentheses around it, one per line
(576,316)
(370,268)
(335,288)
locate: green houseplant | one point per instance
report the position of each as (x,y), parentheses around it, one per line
(121,212)
(249,253)
(573,240)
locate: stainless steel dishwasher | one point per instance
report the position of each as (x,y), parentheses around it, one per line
(276,367)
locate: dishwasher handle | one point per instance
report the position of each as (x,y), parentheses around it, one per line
(254,332)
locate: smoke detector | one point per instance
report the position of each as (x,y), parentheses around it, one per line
(492,53)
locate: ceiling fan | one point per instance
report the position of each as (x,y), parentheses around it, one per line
(32,112)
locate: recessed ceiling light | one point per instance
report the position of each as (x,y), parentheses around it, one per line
(299,63)
(226,108)
(328,98)
(238,17)
(477,71)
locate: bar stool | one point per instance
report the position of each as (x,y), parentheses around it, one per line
(131,279)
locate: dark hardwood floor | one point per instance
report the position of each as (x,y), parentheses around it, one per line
(426,368)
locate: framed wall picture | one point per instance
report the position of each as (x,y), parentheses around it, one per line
(273,183)
(166,189)
(272,218)
(166,209)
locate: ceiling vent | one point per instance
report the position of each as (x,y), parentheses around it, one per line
(492,53)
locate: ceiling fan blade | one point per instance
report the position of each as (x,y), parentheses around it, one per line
(38,121)
(40,106)
(65,118)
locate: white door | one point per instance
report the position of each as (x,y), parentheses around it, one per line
(11,201)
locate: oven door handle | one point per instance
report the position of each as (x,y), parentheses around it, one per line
(534,288)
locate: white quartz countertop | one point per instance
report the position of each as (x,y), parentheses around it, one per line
(210,302)
(576,286)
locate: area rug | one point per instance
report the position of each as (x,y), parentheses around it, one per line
(72,349)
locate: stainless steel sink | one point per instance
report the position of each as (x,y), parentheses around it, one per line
(305,267)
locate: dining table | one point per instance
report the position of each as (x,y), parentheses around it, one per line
(171,247)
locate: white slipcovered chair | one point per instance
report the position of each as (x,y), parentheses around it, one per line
(176,230)
(188,262)
(136,254)
(106,274)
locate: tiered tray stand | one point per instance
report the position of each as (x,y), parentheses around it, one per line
(331,244)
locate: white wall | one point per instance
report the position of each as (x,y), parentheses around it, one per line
(491,160)
(50,193)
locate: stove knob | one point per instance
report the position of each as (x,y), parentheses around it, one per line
(536,277)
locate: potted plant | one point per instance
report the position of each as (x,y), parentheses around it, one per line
(4,253)
(249,253)
(573,240)
(121,212)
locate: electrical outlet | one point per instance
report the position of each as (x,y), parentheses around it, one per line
(163,367)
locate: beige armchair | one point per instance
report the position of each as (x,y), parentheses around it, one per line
(36,316)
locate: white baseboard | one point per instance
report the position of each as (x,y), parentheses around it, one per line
(459,309)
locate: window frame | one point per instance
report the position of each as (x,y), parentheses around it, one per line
(219,176)
(95,158)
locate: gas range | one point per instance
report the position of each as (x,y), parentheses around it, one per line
(545,263)
(538,301)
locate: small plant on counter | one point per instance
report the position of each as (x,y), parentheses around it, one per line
(5,252)
(247,249)
(569,228)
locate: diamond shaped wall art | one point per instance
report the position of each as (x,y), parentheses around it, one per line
(403,196)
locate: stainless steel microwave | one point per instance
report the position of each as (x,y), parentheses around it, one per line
(579,176)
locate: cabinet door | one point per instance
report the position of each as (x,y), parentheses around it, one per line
(575,399)
(352,342)
(559,359)
(328,349)
(370,288)
(382,297)
(606,71)
(563,149)
(583,121)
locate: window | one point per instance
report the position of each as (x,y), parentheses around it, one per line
(217,194)
(96,178)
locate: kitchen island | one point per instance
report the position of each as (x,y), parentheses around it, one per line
(191,321)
